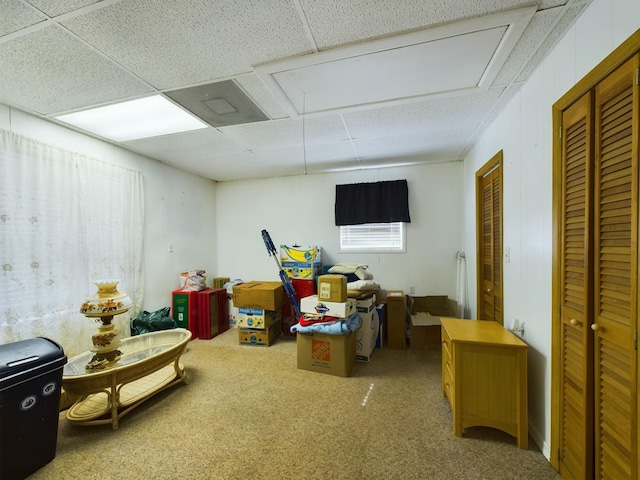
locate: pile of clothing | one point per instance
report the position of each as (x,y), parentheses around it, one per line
(318,323)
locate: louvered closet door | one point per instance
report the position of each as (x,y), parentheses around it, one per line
(492,247)
(576,394)
(615,273)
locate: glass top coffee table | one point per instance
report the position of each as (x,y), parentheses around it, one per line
(149,364)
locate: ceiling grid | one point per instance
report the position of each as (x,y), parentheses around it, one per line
(384,83)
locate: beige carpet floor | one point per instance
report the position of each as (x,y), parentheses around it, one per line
(249,413)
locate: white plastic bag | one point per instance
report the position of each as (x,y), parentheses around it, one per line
(193,281)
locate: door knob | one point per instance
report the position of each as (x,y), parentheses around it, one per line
(597,328)
(574,321)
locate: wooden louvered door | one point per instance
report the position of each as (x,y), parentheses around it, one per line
(489,186)
(576,338)
(595,424)
(616,273)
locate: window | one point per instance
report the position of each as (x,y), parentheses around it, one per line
(373,237)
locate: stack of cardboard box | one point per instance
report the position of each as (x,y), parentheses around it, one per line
(321,352)
(301,262)
(302,265)
(259,307)
(425,329)
(369,329)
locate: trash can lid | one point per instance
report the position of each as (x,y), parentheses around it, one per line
(25,355)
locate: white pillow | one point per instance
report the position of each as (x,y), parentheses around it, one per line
(345,268)
(363,285)
(363,274)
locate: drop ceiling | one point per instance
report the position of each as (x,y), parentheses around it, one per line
(286,87)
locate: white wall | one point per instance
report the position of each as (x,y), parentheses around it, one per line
(179,207)
(523,132)
(301,210)
(217,227)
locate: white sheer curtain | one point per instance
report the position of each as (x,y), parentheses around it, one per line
(66,220)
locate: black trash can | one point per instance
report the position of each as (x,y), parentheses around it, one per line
(30,383)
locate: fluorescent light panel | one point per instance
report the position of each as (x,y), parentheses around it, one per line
(141,118)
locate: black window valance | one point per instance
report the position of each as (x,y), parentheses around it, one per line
(377,202)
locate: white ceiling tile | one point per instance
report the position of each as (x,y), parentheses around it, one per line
(287,132)
(291,156)
(223,40)
(194,146)
(75,75)
(330,152)
(235,166)
(54,8)
(442,144)
(438,114)
(254,87)
(337,22)
(417,159)
(16,16)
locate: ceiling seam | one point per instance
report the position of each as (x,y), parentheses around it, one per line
(49,20)
(305,25)
(350,138)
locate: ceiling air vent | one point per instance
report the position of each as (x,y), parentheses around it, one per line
(219,104)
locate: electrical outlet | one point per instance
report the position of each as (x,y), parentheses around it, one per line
(412,289)
(170,248)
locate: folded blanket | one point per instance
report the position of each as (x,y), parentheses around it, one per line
(363,285)
(340,327)
(359,270)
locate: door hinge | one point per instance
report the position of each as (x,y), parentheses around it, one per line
(560,132)
(635,340)
(637,75)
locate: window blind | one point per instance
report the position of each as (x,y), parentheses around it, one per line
(372,237)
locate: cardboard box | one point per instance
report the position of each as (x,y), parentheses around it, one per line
(257,317)
(332,288)
(366,335)
(312,304)
(330,354)
(218,282)
(366,303)
(296,253)
(425,313)
(382,335)
(307,270)
(232,312)
(265,295)
(396,320)
(259,337)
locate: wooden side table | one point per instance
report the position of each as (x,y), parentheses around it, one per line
(484,377)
